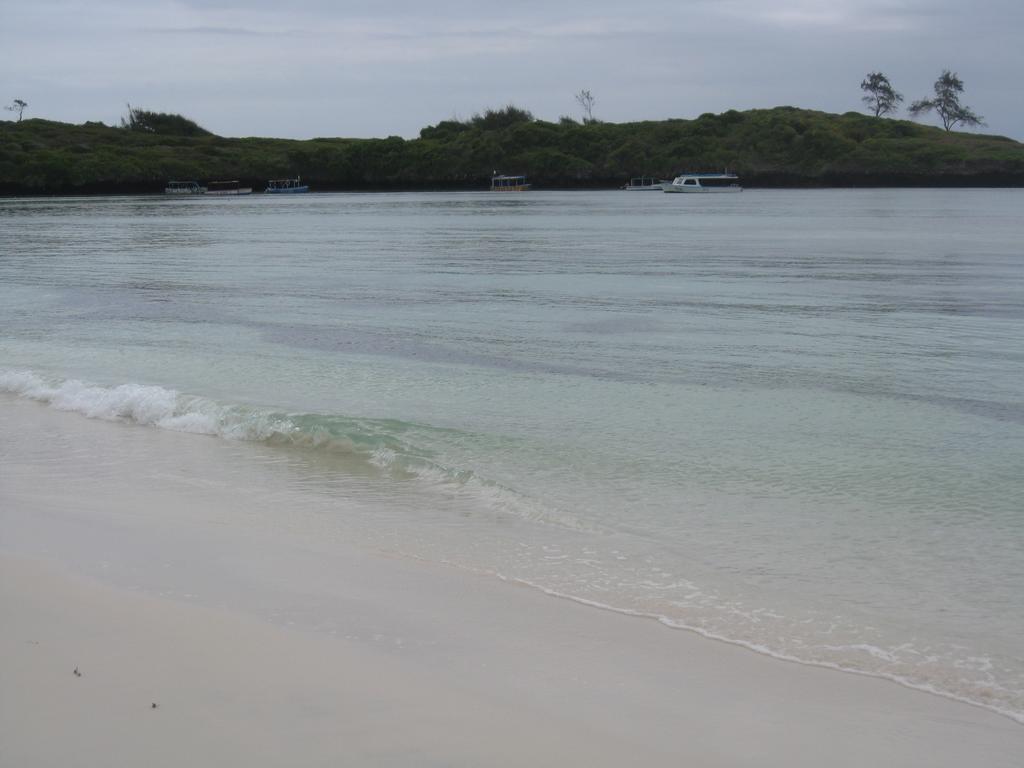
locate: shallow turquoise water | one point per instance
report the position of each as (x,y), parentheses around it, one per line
(792,419)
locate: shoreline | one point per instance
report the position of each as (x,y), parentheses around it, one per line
(182,573)
(766,147)
(234,688)
(1009,181)
(151,409)
(767,652)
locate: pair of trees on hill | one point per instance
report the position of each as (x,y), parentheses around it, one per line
(882,99)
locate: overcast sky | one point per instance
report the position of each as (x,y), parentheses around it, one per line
(305,68)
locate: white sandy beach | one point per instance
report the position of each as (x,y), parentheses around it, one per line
(165,574)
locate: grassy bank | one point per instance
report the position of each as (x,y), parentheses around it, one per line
(783,146)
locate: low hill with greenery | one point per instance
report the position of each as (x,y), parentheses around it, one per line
(771,147)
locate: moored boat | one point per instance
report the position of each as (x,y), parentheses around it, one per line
(286,186)
(184,188)
(644,184)
(227,188)
(704,182)
(503,183)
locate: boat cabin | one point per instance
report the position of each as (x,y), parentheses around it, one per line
(704,182)
(232,187)
(643,183)
(503,183)
(183,188)
(284,186)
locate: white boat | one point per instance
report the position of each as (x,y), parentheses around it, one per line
(704,182)
(227,188)
(184,188)
(503,183)
(644,184)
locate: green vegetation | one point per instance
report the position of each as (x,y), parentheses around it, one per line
(166,124)
(772,147)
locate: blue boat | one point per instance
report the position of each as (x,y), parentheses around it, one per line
(285,186)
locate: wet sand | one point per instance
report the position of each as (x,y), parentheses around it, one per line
(265,642)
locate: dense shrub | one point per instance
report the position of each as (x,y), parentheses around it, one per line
(163,123)
(781,145)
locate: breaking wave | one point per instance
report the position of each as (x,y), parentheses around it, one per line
(381,443)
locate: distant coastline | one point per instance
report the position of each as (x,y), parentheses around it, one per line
(780,147)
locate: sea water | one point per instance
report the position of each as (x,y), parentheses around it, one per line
(788,419)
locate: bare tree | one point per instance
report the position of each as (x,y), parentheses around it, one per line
(17,106)
(947,103)
(880,97)
(586,100)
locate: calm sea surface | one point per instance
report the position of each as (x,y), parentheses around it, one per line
(790,419)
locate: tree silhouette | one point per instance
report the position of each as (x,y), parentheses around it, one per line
(947,103)
(586,100)
(17,106)
(880,97)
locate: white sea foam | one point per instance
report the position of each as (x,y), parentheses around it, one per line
(498,499)
(156,406)
(767,650)
(148,405)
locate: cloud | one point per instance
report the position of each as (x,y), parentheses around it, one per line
(811,15)
(189,31)
(368,68)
